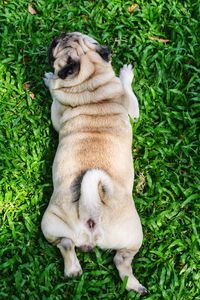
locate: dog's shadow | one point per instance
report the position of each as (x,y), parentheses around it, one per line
(35,64)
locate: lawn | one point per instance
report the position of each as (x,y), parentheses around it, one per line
(161,39)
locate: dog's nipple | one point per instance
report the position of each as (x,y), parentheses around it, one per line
(91,224)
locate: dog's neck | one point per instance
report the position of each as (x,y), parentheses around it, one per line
(91,92)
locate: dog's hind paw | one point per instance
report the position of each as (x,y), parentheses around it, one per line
(74,271)
(142,290)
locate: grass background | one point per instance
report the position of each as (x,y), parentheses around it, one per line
(165,146)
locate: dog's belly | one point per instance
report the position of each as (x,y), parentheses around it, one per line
(92,142)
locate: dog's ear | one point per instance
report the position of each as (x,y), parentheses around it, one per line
(104,52)
(53,45)
(71,68)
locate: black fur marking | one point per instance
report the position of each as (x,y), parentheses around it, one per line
(53,44)
(76,187)
(71,68)
(104,52)
(103,189)
(51,58)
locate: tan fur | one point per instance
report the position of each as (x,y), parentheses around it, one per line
(90,112)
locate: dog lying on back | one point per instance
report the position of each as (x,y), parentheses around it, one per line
(93,171)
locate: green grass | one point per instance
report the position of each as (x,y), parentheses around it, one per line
(165,146)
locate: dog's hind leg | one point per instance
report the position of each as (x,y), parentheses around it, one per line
(59,233)
(126,78)
(71,263)
(122,260)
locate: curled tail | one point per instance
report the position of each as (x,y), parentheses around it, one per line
(94,187)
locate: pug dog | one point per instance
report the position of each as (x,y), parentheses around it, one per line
(93,173)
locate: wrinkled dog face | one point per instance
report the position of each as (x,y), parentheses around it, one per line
(65,51)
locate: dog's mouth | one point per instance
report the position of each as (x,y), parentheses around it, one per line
(71,68)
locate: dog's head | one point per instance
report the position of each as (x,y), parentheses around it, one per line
(65,51)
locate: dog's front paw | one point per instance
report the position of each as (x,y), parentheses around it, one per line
(49,75)
(47,78)
(126,74)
